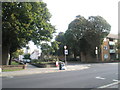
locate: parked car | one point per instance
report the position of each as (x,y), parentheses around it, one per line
(26,60)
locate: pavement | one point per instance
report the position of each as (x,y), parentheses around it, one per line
(30,69)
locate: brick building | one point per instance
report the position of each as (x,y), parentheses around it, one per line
(108,48)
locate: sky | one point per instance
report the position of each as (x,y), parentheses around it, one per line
(65,11)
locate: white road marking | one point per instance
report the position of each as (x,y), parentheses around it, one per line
(112,63)
(115,80)
(99,78)
(105,86)
(88,65)
(10,77)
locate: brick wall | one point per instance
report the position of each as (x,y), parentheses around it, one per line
(12,67)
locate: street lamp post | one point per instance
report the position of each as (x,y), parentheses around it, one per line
(65,52)
(96,52)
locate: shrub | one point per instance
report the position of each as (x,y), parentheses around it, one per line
(27,56)
(34,61)
(52,59)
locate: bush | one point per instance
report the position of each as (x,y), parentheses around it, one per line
(35,61)
(27,56)
(52,59)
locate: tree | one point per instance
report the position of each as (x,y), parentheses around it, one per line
(17,53)
(27,56)
(55,47)
(46,49)
(97,29)
(83,35)
(60,38)
(22,22)
(75,33)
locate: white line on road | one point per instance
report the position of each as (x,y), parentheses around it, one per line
(99,78)
(112,63)
(10,77)
(115,80)
(106,86)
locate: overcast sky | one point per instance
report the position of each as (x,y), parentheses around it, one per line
(64,11)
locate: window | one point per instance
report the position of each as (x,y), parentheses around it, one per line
(105,47)
(111,47)
(105,56)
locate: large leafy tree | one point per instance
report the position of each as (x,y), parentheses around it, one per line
(49,49)
(55,47)
(84,35)
(22,22)
(61,41)
(17,53)
(46,49)
(75,33)
(97,29)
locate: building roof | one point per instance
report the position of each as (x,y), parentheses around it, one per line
(113,36)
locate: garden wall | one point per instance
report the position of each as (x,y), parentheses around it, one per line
(13,67)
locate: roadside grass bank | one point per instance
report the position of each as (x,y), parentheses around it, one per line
(15,66)
(8,70)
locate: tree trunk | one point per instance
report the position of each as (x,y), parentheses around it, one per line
(10,60)
(87,57)
(5,55)
(83,57)
(80,56)
(75,54)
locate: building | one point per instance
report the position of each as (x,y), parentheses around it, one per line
(108,48)
(35,54)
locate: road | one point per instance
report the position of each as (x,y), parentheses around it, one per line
(96,76)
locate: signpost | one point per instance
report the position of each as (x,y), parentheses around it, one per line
(66,53)
(96,52)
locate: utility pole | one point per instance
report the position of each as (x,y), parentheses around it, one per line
(96,52)
(66,53)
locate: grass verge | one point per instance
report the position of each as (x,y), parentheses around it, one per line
(14,63)
(11,70)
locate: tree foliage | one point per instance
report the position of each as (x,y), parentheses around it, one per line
(17,53)
(83,35)
(60,38)
(50,49)
(46,48)
(27,56)
(22,22)
(75,33)
(55,47)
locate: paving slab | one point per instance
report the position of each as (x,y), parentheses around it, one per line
(30,69)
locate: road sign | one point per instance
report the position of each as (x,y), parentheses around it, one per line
(66,52)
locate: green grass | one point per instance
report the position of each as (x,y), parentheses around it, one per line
(11,70)
(14,63)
